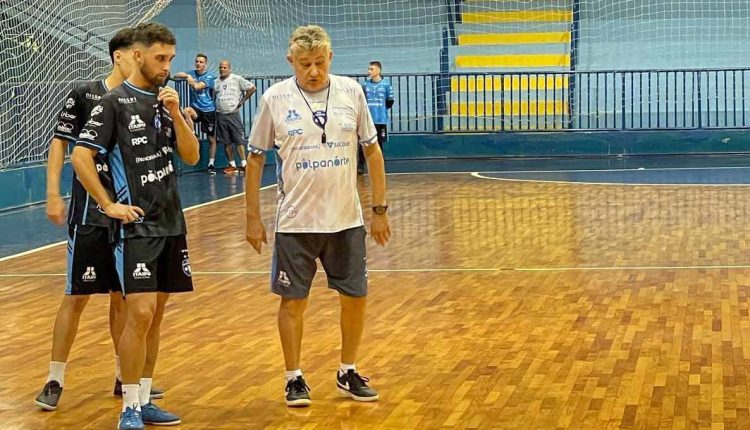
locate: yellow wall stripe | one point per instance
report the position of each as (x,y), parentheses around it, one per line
(509,108)
(493,83)
(513,38)
(515,60)
(517,16)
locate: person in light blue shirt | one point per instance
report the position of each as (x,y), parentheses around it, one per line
(202,108)
(379,94)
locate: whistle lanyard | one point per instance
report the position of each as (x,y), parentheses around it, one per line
(319,120)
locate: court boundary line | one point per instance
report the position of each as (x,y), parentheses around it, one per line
(480,175)
(198,206)
(450,270)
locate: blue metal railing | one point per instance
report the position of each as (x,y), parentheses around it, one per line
(543,101)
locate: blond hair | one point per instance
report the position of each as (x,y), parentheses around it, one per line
(309,38)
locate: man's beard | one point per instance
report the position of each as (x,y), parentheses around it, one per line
(154,80)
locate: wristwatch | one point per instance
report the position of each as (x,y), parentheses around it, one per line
(380,209)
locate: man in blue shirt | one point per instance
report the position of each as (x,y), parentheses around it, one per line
(202,108)
(379,95)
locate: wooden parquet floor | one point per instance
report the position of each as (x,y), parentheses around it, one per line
(497,305)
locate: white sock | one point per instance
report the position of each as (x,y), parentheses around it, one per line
(244,163)
(343,368)
(210,161)
(291,374)
(145,390)
(233,164)
(118,375)
(57,372)
(130,397)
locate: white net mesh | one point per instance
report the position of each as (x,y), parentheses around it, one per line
(44,48)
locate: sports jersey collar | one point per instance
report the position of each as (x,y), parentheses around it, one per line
(104,84)
(134,88)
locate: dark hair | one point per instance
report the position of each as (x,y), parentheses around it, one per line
(376,63)
(153,32)
(200,54)
(124,38)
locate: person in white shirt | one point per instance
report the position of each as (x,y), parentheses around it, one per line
(315,121)
(230,93)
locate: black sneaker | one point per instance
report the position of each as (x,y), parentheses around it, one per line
(297,393)
(351,384)
(211,169)
(49,396)
(156,393)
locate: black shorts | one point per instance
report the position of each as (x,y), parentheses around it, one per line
(382,133)
(154,264)
(229,129)
(343,255)
(207,121)
(91,261)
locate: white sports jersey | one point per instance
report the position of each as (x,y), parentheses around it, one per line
(228,92)
(317,180)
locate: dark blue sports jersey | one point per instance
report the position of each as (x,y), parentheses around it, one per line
(137,134)
(75,112)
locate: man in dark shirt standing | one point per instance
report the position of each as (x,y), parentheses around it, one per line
(139,126)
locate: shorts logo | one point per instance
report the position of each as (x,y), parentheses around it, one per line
(65,127)
(141,271)
(186,269)
(97,110)
(367,272)
(292,116)
(284,279)
(136,123)
(89,275)
(88,134)
(69,103)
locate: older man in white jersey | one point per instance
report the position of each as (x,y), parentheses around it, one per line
(315,121)
(230,93)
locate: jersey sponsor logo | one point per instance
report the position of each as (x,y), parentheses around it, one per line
(347,127)
(67,115)
(157,175)
(126,100)
(143,140)
(278,97)
(93,96)
(136,123)
(97,110)
(69,103)
(65,127)
(295,132)
(153,156)
(101,167)
(342,109)
(88,134)
(284,279)
(345,90)
(306,147)
(292,116)
(342,144)
(322,164)
(94,123)
(141,271)
(89,275)
(291,211)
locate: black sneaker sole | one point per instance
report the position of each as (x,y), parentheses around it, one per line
(44,406)
(353,396)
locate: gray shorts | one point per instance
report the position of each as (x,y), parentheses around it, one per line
(342,254)
(229,129)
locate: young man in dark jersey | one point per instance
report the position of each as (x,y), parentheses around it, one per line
(139,126)
(91,266)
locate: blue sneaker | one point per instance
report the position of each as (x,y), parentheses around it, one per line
(153,415)
(130,420)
